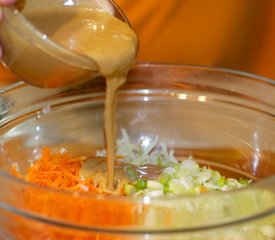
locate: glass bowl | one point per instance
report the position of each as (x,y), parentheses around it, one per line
(223,118)
(31,54)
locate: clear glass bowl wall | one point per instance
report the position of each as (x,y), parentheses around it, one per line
(223,117)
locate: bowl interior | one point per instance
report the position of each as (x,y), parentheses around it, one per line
(223,127)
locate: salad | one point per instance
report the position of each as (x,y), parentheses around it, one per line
(149,170)
(171,178)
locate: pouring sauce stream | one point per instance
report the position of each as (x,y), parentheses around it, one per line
(106,39)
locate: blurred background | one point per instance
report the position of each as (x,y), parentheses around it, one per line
(236,34)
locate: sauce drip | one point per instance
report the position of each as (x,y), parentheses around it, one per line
(106,39)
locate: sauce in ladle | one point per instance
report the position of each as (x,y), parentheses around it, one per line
(106,39)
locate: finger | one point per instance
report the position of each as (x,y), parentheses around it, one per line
(1,52)
(7,2)
(1,14)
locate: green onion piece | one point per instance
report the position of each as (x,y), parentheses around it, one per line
(129,189)
(151,184)
(164,179)
(141,184)
(173,165)
(244,181)
(182,172)
(130,173)
(166,189)
(159,161)
(215,176)
(139,193)
(221,182)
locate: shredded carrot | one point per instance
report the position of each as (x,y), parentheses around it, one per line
(14,171)
(62,171)
(59,170)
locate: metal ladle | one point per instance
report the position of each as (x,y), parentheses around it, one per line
(132,172)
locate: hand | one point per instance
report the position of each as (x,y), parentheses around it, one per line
(4,3)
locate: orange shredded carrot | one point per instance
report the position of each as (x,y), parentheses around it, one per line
(14,171)
(59,170)
(62,171)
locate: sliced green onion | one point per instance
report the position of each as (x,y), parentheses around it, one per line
(244,181)
(177,177)
(166,189)
(130,173)
(215,176)
(129,189)
(164,179)
(151,184)
(159,161)
(182,172)
(141,184)
(221,182)
(155,193)
(173,165)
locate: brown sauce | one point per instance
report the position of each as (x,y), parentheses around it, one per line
(109,41)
